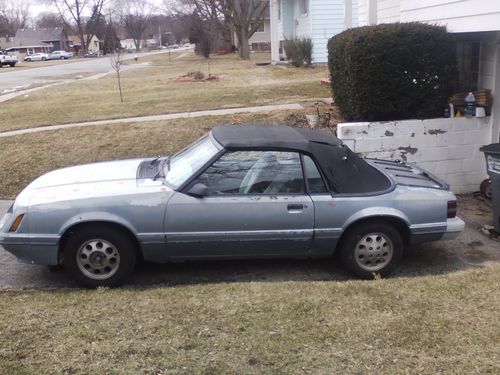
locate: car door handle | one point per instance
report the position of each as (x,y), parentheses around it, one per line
(295,207)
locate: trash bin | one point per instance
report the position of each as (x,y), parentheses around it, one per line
(492,154)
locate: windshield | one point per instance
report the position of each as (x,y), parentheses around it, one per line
(186,162)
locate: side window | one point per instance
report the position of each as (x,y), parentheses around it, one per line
(314,179)
(254,172)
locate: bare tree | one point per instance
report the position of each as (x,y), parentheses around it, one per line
(117,65)
(245,17)
(74,14)
(14,15)
(135,19)
(48,20)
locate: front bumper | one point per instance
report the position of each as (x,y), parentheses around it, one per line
(39,249)
(454,227)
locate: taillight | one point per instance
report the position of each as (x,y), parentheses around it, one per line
(452,209)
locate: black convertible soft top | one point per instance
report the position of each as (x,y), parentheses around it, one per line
(345,171)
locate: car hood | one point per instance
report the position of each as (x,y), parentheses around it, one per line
(89,181)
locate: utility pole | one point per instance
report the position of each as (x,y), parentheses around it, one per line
(159,33)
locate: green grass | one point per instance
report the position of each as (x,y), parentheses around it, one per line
(154,90)
(425,325)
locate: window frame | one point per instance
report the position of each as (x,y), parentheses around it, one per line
(192,180)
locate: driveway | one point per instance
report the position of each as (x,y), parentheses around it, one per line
(471,249)
(22,79)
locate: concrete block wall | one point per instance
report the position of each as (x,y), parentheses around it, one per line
(446,147)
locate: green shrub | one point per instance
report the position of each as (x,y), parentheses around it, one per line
(392,71)
(299,51)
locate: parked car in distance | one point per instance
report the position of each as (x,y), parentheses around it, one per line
(90,55)
(173,46)
(238,192)
(59,55)
(36,57)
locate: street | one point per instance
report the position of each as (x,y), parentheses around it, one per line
(23,79)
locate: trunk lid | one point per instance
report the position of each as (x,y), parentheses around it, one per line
(408,174)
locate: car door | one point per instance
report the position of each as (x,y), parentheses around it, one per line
(255,204)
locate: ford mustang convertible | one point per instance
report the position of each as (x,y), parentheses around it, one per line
(238,192)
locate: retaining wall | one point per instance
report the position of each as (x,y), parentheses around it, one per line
(447,147)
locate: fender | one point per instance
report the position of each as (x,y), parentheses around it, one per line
(87,217)
(374,212)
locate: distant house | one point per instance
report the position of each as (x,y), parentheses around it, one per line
(28,41)
(76,45)
(128,44)
(261,40)
(315,19)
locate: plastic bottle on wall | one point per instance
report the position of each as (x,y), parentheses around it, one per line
(470,105)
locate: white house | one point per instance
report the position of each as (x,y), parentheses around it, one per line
(315,19)
(261,39)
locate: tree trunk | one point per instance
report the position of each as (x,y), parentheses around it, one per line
(243,44)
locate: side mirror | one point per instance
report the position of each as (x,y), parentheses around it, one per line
(198,190)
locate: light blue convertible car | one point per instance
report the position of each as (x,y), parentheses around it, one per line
(238,192)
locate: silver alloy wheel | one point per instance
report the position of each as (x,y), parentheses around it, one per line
(98,259)
(373,252)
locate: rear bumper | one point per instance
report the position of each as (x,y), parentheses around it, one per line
(30,249)
(454,227)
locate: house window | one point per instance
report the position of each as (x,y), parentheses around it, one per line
(304,6)
(260,27)
(468,65)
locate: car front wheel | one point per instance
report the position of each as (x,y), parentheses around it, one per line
(370,250)
(44,58)
(97,256)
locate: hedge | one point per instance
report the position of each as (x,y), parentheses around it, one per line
(392,71)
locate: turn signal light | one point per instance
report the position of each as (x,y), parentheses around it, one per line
(16,223)
(452,209)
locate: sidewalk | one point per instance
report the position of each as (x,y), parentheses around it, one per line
(170,116)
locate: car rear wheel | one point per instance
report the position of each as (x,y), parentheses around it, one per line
(28,60)
(62,57)
(97,256)
(372,249)
(44,58)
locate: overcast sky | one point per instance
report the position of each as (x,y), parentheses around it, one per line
(39,6)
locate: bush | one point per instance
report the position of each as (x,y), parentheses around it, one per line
(392,71)
(299,51)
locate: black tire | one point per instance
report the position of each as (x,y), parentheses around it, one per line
(12,65)
(28,60)
(62,57)
(44,59)
(118,241)
(369,262)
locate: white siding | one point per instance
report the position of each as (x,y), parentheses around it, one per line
(458,16)
(362,12)
(388,11)
(328,20)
